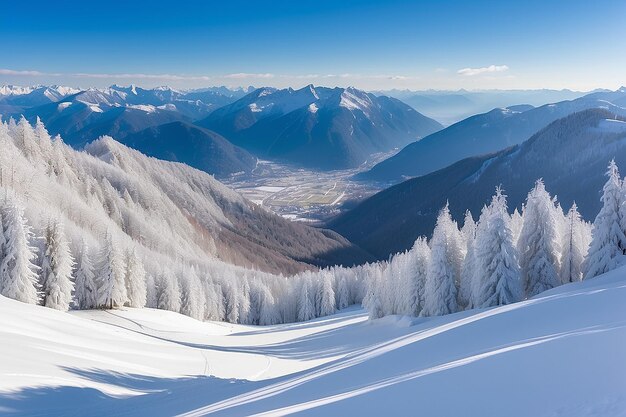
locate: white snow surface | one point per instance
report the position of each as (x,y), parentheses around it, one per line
(559,354)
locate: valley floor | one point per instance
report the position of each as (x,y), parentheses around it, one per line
(303,194)
(561,354)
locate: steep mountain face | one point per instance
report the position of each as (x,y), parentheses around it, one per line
(81,116)
(570,155)
(169,211)
(319,127)
(197,147)
(483,133)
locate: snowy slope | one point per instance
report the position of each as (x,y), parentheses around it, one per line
(560,354)
(485,133)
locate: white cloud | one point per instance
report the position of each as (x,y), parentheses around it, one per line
(166,77)
(241,75)
(483,70)
(5,71)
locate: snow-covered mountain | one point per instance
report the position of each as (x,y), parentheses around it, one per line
(564,349)
(15,98)
(80,116)
(570,155)
(485,133)
(170,210)
(319,127)
(195,146)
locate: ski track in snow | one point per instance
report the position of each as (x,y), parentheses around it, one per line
(157,363)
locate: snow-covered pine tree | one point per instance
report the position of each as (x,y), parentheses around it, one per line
(169,292)
(517,221)
(574,248)
(135,279)
(327,295)
(417,271)
(18,277)
(193,297)
(268,313)
(86,289)
(56,268)
(608,243)
(110,275)
(306,307)
(343,293)
(467,270)
(497,278)
(152,297)
(244,303)
(440,291)
(539,242)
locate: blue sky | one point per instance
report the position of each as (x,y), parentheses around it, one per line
(368,44)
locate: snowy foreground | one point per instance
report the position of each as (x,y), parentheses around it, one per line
(560,354)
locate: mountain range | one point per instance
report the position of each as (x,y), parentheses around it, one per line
(318,127)
(484,133)
(571,155)
(449,107)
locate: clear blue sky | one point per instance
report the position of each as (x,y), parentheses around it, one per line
(369,44)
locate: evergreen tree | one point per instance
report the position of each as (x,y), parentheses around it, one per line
(86,294)
(135,280)
(539,242)
(169,292)
(343,293)
(497,275)
(193,297)
(327,295)
(573,247)
(440,292)
(417,271)
(467,270)
(152,296)
(18,279)
(56,268)
(306,307)
(517,221)
(111,272)
(608,243)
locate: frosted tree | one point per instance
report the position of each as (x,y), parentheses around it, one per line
(193,297)
(574,247)
(244,303)
(517,221)
(539,242)
(152,296)
(372,300)
(56,268)
(169,292)
(268,313)
(110,276)
(608,243)
(135,279)
(467,269)
(343,293)
(327,295)
(440,291)
(231,298)
(18,279)
(306,306)
(417,271)
(86,289)
(497,278)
